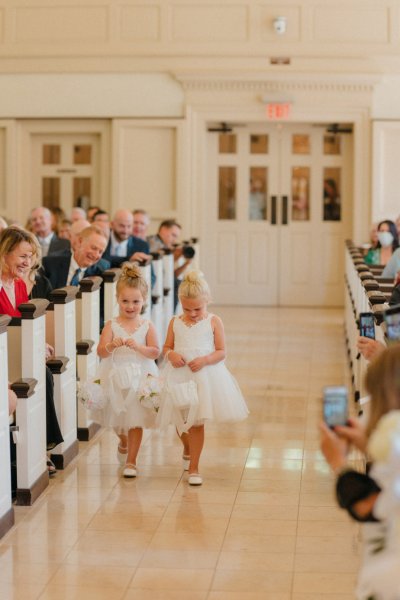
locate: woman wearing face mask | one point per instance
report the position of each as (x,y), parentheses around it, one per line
(388,242)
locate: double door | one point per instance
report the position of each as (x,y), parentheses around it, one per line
(279,209)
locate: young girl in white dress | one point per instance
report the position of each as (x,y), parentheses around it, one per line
(129,340)
(194,350)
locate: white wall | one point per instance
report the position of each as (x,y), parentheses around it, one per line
(90,95)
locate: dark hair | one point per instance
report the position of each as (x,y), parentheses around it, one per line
(169,223)
(99,212)
(393,231)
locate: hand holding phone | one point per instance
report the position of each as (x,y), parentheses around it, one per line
(335,406)
(367,325)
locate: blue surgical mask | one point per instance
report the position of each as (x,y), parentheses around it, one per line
(385,238)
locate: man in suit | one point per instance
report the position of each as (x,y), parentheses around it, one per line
(123,246)
(50,243)
(84,261)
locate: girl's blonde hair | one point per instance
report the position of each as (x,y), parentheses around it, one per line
(132,277)
(383,384)
(14,235)
(194,286)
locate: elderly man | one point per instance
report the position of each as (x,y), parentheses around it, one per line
(123,246)
(84,261)
(40,222)
(141,222)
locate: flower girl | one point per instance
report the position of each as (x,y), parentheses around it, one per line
(197,385)
(128,347)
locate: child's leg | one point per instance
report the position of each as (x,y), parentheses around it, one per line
(134,440)
(123,441)
(196,443)
(185,441)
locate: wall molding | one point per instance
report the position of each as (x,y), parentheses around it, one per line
(353,84)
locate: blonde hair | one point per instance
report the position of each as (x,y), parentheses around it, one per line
(11,237)
(383,384)
(194,286)
(89,230)
(132,277)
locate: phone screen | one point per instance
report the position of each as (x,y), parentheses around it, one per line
(392,320)
(335,405)
(367,325)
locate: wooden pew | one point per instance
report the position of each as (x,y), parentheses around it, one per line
(6,508)
(26,352)
(87,335)
(61,318)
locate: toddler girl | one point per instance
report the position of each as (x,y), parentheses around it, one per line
(194,352)
(131,341)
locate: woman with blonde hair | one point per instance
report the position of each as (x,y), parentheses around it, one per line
(373,498)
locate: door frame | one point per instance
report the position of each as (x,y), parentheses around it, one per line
(226,98)
(29,128)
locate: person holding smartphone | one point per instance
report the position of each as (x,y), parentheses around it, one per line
(373,498)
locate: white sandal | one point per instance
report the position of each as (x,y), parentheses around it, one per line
(195,479)
(185,462)
(129,471)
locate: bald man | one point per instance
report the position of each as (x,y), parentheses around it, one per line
(123,246)
(50,243)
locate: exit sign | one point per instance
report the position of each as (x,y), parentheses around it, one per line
(278,110)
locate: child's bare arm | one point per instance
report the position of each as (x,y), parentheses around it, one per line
(219,353)
(151,349)
(174,358)
(107,344)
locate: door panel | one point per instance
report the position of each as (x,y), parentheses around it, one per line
(280,209)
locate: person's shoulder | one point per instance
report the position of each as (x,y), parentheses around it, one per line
(53,260)
(139,244)
(215,320)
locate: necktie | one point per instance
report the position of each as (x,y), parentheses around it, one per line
(75,277)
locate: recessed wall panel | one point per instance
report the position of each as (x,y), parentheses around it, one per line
(199,23)
(300,258)
(61,24)
(258,245)
(148,169)
(139,23)
(227,257)
(332,258)
(353,25)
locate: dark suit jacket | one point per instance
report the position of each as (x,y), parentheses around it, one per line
(59,246)
(134,245)
(56,269)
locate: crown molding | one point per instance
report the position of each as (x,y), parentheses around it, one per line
(213,82)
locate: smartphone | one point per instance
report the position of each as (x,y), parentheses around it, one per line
(391,316)
(367,325)
(335,405)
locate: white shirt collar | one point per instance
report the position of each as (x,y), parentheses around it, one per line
(46,240)
(118,248)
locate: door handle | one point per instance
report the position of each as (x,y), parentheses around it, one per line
(284,210)
(273,210)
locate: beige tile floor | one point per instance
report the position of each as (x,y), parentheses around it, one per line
(264,526)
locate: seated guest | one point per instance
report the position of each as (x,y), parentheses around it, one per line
(84,261)
(101,219)
(77,213)
(91,211)
(19,249)
(64,230)
(388,242)
(75,231)
(40,224)
(57,215)
(141,222)
(167,238)
(123,246)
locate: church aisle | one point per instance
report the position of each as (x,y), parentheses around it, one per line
(264,525)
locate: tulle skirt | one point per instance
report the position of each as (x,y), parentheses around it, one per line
(219,395)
